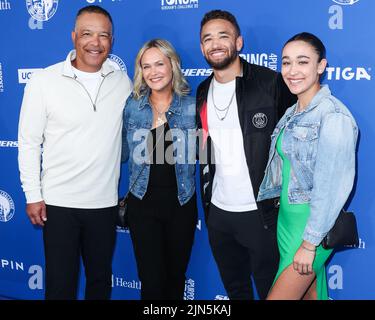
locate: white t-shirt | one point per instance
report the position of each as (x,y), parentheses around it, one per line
(232,189)
(90,80)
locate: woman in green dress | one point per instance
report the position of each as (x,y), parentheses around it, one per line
(311,167)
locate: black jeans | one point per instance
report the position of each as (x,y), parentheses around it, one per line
(243,247)
(69,234)
(162,233)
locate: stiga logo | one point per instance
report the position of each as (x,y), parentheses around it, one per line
(179,4)
(24,75)
(345,2)
(348,73)
(261,59)
(1,78)
(42,10)
(117,63)
(7,208)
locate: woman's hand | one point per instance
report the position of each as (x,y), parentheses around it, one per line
(304,258)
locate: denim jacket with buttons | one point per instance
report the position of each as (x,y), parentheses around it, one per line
(137,124)
(320,143)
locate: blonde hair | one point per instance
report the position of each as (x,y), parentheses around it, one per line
(179,84)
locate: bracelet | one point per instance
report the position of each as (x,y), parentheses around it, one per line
(311,250)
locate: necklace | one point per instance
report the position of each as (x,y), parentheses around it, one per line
(160,119)
(159,115)
(216,108)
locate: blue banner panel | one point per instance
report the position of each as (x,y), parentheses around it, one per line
(36,34)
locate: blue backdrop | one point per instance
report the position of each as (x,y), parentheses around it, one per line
(35,34)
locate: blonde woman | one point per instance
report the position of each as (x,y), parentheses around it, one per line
(159,145)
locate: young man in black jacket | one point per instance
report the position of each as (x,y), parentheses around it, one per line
(238,107)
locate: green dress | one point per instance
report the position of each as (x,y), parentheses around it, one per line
(290,226)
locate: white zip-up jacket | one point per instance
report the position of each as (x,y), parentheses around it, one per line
(79,165)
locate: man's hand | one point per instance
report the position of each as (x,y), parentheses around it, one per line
(37,212)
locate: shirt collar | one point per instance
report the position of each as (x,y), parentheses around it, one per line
(319,96)
(68,69)
(175,104)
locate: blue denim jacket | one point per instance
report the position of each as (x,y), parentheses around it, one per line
(320,144)
(136,127)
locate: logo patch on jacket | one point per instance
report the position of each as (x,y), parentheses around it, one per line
(259,120)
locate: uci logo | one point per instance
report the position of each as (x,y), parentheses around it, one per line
(24,75)
(7,208)
(42,10)
(345,2)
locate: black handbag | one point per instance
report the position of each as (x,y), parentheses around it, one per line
(122,215)
(344,233)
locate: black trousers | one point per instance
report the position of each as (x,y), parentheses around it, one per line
(69,234)
(162,233)
(243,247)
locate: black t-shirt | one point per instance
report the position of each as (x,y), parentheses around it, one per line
(162,168)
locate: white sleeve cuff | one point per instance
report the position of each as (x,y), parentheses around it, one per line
(33,196)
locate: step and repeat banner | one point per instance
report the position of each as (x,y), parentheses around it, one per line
(37,33)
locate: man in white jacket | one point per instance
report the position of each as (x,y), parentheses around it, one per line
(73,109)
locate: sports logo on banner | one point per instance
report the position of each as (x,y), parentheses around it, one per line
(24,75)
(196,72)
(179,4)
(8,144)
(348,73)
(42,10)
(345,2)
(261,59)
(117,63)
(268,60)
(7,208)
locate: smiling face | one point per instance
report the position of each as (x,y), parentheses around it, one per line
(301,70)
(92,40)
(220,43)
(156,70)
